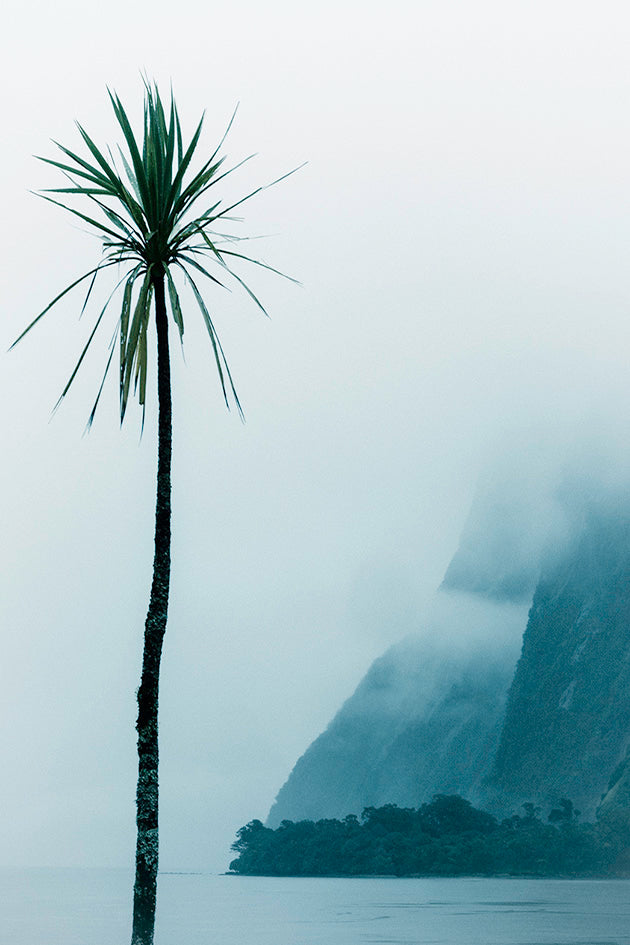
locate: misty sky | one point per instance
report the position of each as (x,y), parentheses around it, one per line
(461,232)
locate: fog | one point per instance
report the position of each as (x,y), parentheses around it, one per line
(460,233)
(460,636)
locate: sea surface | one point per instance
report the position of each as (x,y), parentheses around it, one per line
(92,907)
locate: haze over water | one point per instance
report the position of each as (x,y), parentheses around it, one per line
(76,907)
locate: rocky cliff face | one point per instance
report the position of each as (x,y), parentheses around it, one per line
(429,719)
(567,722)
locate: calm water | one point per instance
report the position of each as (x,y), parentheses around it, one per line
(91,907)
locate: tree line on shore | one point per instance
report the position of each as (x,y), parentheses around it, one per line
(445,837)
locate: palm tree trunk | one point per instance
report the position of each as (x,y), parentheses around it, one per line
(145,887)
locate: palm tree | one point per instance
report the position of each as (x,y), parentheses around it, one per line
(148,218)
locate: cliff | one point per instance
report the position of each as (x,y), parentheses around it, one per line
(455,712)
(567,721)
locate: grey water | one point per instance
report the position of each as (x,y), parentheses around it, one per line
(92,907)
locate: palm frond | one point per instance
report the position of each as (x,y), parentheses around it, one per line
(57,298)
(145,210)
(87,345)
(102,384)
(222,366)
(130,352)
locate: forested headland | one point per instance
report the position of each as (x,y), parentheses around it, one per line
(446,837)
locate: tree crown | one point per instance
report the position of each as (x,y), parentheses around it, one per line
(147,215)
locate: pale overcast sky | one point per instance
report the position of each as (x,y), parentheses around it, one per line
(462,234)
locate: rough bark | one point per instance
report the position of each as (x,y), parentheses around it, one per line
(145,886)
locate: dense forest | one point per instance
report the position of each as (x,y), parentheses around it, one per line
(446,837)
